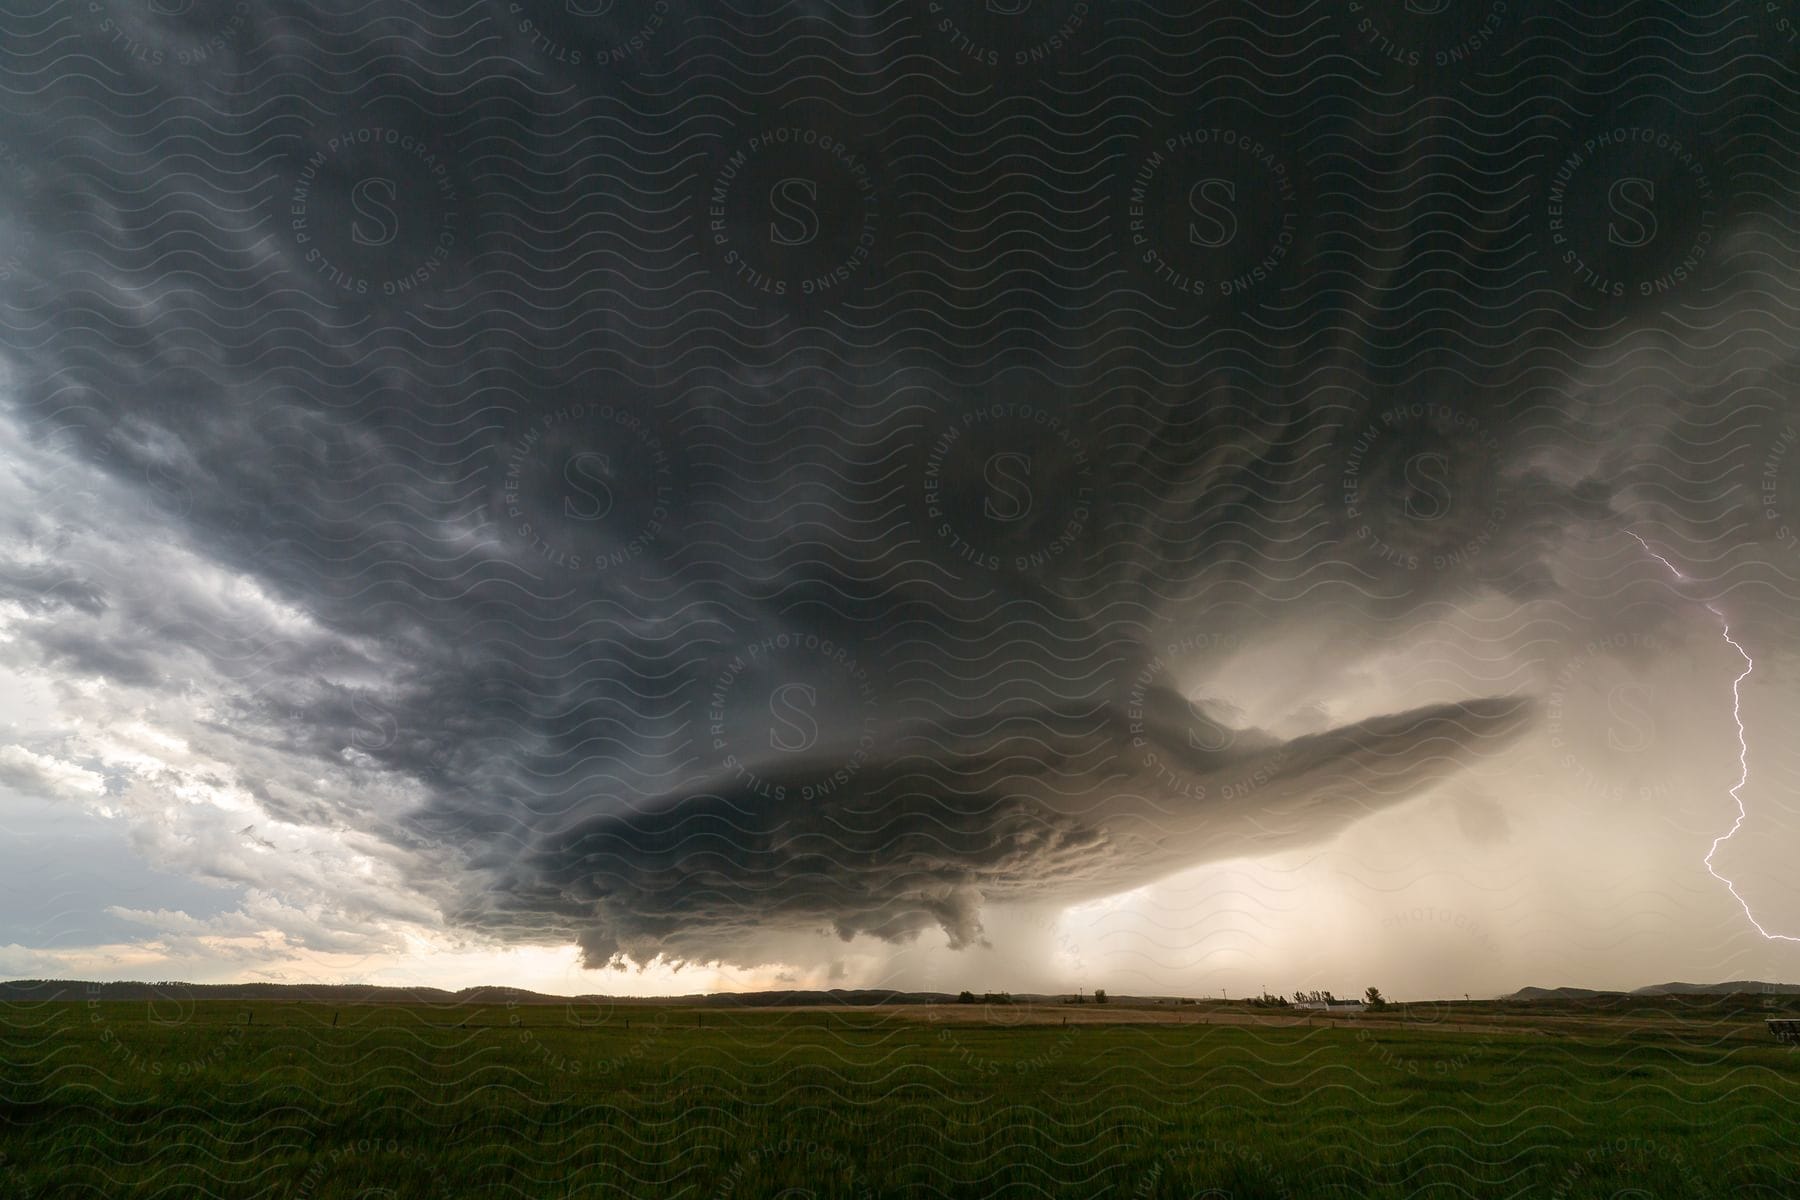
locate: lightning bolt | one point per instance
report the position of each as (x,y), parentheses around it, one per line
(1737,714)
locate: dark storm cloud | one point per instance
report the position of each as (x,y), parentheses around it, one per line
(1038,811)
(749,503)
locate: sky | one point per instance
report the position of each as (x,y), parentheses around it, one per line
(648,497)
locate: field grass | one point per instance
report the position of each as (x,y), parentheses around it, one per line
(122,1100)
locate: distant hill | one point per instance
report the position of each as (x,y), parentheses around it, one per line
(1560,993)
(1755,987)
(1736,987)
(30,990)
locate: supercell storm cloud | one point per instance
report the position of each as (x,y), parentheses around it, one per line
(725,486)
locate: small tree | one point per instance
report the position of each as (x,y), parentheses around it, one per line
(1374,999)
(1099,995)
(965,997)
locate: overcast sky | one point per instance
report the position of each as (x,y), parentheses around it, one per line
(652,497)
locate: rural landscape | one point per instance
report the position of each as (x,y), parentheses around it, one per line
(899,600)
(136,1091)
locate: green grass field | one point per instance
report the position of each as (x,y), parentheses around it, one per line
(125,1100)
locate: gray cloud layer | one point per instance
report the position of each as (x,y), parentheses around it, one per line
(744,501)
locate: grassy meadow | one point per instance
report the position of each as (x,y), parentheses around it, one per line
(167,1099)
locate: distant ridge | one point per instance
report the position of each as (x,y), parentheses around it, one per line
(1735,987)
(26,991)
(39,990)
